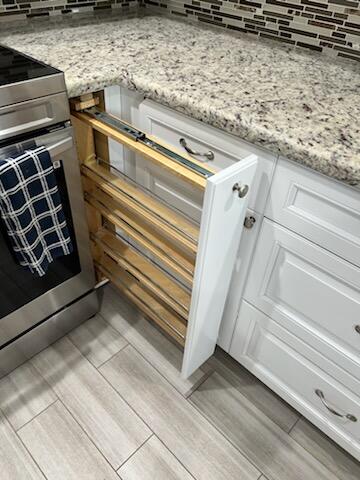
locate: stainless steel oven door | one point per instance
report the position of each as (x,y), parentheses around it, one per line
(61,146)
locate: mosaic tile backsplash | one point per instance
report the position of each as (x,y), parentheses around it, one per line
(331,26)
(22,9)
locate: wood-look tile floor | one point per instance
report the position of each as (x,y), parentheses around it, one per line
(107,402)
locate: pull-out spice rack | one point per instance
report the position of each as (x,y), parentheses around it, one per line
(177,272)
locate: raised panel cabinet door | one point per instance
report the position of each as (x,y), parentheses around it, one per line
(318,208)
(220,233)
(310,382)
(309,291)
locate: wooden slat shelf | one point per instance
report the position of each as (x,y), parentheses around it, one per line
(150,276)
(172,225)
(165,318)
(163,252)
(157,158)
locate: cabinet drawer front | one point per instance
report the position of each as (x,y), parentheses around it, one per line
(171,126)
(282,361)
(320,209)
(310,291)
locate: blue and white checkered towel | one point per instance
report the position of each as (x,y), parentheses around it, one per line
(30,206)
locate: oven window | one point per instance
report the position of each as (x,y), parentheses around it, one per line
(18,286)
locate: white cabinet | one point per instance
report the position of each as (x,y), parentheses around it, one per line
(309,291)
(298,327)
(311,383)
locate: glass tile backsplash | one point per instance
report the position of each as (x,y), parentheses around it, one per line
(331,26)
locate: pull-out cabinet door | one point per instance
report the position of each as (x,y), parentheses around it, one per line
(220,233)
(176,272)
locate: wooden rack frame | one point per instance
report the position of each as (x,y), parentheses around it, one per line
(115,204)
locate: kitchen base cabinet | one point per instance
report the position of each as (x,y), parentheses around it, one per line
(290,367)
(131,227)
(281,295)
(298,325)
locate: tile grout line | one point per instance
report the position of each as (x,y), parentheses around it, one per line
(73,417)
(24,445)
(130,406)
(112,356)
(35,416)
(201,382)
(206,374)
(138,448)
(225,437)
(293,426)
(171,453)
(320,461)
(87,435)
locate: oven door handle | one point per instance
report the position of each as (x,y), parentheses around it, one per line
(60,147)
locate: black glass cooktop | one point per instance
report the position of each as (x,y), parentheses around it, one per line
(16,67)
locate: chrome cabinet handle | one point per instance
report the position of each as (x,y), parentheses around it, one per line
(208,155)
(349,416)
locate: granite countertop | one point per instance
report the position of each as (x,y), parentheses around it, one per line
(297,103)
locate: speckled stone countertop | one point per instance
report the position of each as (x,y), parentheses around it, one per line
(296,103)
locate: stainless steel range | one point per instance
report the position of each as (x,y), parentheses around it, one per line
(35,311)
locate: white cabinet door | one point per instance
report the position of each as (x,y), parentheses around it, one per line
(220,233)
(296,372)
(309,291)
(318,208)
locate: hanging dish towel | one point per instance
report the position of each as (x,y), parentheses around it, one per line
(31,209)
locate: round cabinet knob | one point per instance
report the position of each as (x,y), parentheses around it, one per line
(357,329)
(241,189)
(249,222)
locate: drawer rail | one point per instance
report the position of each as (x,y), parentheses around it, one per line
(141,137)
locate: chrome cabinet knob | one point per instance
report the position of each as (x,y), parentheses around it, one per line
(241,189)
(249,222)
(357,329)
